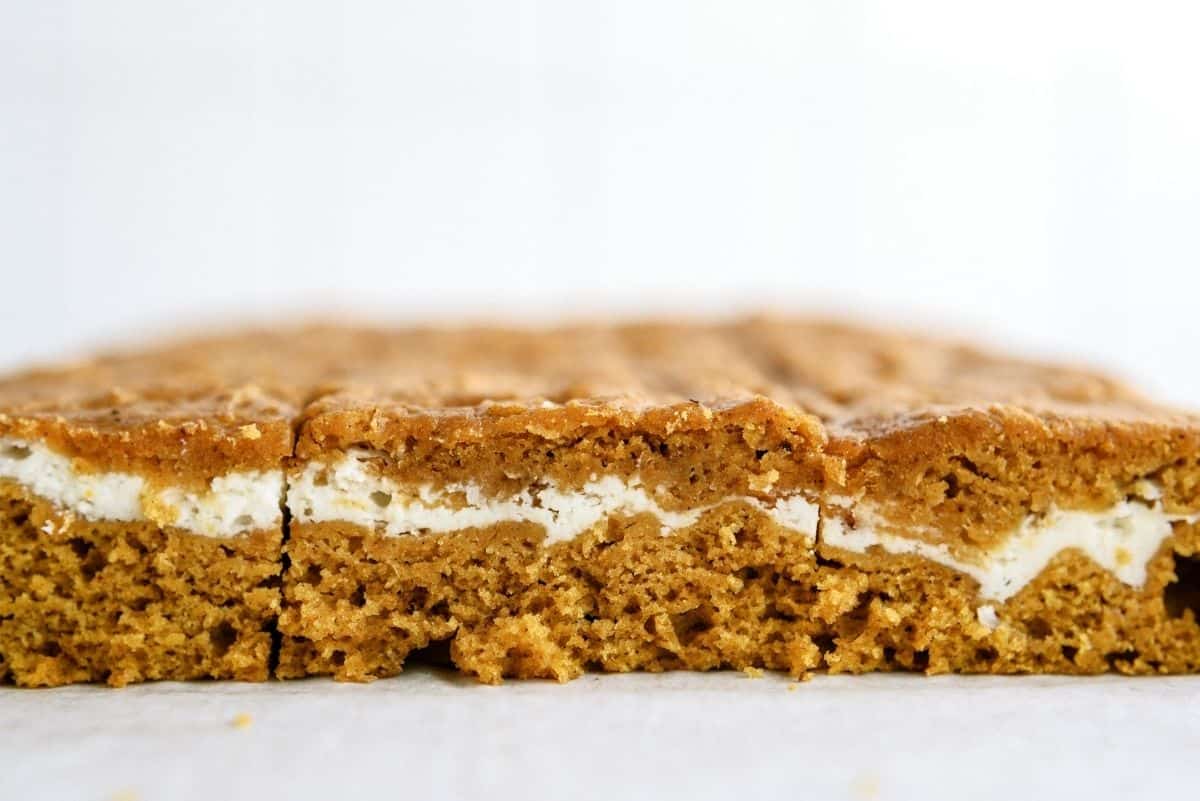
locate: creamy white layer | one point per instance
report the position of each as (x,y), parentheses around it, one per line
(1121,539)
(232,503)
(346,490)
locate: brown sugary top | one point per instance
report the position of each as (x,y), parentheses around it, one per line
(807,399)
(833,380)
(184,411)
(849,378)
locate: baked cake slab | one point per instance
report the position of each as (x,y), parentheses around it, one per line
(784,494)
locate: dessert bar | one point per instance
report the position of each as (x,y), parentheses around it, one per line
(797,495)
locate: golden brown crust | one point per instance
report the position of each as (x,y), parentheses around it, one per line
(858,382)
(210,405)
(189,411)
(845,375)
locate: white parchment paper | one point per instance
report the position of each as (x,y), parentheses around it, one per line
(430,734)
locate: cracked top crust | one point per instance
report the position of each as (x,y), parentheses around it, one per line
(812,399)
(855,381)
(182,412)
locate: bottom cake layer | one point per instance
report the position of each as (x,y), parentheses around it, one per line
(121,602)
(734,590)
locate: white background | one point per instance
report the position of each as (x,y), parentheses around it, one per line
(1024,172)
(1027,172)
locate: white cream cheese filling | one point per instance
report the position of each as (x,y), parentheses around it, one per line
(232,503)
(1122,539)
(345,490)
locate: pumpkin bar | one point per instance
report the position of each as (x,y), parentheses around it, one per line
(797,495)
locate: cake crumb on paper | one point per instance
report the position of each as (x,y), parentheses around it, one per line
(865,787)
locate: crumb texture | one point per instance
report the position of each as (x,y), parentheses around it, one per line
(121,602)
(732,591)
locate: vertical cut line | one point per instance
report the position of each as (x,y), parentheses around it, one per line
(284,564)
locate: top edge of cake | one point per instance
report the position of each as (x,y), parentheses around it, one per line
(824,380)
(190,410)
(232,401)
